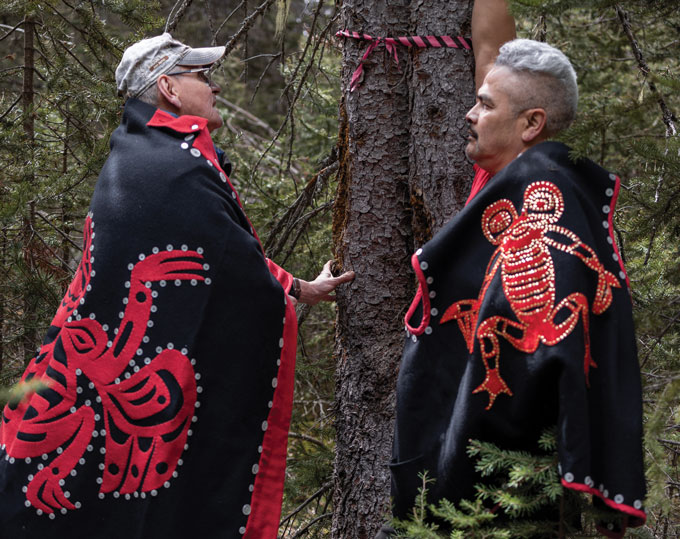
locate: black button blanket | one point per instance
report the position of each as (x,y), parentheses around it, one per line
(523,320)
(168,368)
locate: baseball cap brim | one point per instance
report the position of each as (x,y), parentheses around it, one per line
(202,56)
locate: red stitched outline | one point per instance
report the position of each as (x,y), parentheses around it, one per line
(421,294)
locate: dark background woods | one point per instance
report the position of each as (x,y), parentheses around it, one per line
(363,177)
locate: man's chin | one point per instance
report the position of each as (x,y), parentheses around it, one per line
(215,123)
(471,150)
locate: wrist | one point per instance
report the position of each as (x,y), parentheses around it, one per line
(296,289)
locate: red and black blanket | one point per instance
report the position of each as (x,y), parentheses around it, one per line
(168,369)
(523,320)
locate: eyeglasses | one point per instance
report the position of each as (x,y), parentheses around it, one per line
(203,74)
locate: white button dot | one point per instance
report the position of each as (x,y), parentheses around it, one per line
(428,330)
(255,468)
(246,509)
(195,126)
(424,265)
(618,498)
(195,152)
(569,477)
(184,146)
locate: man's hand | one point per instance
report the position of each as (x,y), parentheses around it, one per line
(320,288)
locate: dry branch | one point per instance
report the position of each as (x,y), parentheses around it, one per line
(666,113)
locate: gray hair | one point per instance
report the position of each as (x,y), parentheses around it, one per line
(553,85)
(150,95)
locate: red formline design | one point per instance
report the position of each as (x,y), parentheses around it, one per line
(422,295)
(457,42)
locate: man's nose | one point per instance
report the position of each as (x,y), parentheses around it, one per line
(471,116)
(214,87)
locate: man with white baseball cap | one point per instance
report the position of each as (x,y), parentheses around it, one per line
(167,373)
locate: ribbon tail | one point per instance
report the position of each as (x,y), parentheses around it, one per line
(356,76)
(391,49)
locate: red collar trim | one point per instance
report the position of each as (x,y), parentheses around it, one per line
(181,124)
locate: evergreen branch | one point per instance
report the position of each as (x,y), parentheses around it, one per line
(241,4)
(324,488)
(286,224)
(659,337)
(181,10)
(666,113)
(11,29)
(245,26)
(11,107)
(297,92)
(264,72)
(304,51)
(308,438)
(304,530)
(59,231)
(305,219)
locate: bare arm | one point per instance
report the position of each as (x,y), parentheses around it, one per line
(492,25)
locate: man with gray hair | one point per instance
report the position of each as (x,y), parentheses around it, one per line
(522,319)
(166,377)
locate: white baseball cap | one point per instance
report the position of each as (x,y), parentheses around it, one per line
(146,60)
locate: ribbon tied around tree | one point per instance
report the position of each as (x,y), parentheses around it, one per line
(457,42)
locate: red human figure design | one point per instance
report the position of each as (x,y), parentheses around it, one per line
(528,278)
(143,412)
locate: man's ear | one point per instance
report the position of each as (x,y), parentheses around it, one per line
(534,126)
(168,91)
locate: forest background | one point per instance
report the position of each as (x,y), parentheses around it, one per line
(283,86)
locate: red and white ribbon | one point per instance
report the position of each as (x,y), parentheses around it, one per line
(457,42)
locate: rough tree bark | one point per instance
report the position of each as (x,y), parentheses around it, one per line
(403,174)
(442,90)
(372,236)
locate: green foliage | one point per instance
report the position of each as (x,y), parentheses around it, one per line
(280,109)
(519,495)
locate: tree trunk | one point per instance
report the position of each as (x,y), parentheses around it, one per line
(442,90)
(29,319)
(372,236)
(403,174)
(3,264)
